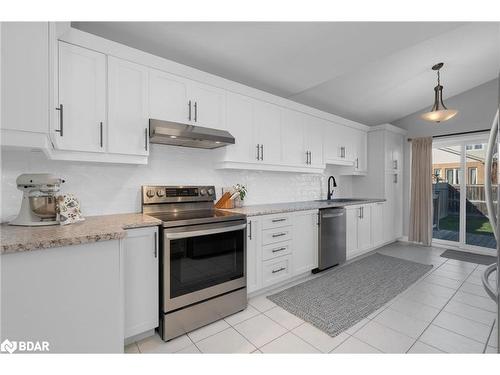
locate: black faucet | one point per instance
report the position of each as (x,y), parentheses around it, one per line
(330,189)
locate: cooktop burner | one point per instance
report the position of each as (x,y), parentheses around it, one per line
(191,217)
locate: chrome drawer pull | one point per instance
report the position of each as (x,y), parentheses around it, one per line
(278,220)
(278,249)
(279,234)
(278,270)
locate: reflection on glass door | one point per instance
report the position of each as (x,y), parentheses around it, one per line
(446,166)
(478,231)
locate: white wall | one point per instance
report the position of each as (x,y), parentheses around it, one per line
(476,108)
(112,188)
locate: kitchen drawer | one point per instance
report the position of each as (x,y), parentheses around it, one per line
(276,235)
(276,270)
(276,221)
(276,250)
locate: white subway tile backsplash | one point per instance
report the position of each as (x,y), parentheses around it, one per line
(115,188)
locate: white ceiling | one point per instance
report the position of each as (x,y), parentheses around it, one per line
(365,71)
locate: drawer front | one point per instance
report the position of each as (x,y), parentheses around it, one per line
(270,236)
(276,221)
(276,250)
(276,270)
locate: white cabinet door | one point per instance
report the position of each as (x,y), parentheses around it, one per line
(337,143)
(127,108)
(305,242)
(314,132)
(378,223)
(239,122)
(360,151)
(25,76)
(292,137)
(352,214)
(209,105)
(398,205)
(364,228)
(254,254)
(82,95)
(267,119)
(390,220)
(141,280)
(168,97)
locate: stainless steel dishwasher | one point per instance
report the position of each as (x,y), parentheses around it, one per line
(332,238)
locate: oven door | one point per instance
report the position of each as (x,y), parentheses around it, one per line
(202,261)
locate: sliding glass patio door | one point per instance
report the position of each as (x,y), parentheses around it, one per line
(460,217)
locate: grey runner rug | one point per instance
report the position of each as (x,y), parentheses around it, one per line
(343,296)
(469,257)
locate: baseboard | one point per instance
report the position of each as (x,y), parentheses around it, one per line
(138,337)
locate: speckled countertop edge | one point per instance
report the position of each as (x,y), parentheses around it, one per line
(277,208)
(15,239)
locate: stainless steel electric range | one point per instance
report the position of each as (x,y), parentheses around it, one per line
(202,257)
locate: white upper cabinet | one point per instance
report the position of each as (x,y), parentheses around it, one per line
(208,105)
(338,144)
(394,151)
(267,125)
(314,132)
(293,149)
(177,99)
(127,107)
(360,151)
(239,122)
(25,79)
(168,97)
(82,99)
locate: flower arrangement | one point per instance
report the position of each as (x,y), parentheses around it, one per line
(241,190)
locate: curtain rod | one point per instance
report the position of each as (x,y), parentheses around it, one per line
(452,134)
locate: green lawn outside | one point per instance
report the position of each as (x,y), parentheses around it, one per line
(475,225)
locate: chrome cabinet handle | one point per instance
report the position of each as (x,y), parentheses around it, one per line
(258,152)
(189,105)
(357,163)
(274,235)
(395,178)
(195,111)
(307,157)
(360,215)
(146,139)
(278,220)
(61,120)
(261,152)
(100,133)
(278,270)
(395,164)
(278,249)
(310,157)
(250,229)
(156,246)
(342,152)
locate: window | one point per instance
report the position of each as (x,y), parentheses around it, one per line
(473,176)
(478,147)
(452,176)
(474,147)
(468,147)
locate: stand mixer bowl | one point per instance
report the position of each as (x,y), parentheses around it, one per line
(45,207)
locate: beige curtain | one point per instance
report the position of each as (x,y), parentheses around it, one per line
(421,191)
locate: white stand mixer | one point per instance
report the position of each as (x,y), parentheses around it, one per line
(39,204)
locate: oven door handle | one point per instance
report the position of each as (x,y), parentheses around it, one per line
(203,232)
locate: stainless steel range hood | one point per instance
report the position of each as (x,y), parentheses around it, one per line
(178,134)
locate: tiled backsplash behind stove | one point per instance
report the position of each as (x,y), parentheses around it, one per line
(115,188)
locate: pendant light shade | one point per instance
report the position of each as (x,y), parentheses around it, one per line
(439,112)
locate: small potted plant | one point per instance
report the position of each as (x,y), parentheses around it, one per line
(241,190)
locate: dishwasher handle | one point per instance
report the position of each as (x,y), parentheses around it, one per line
(328,216)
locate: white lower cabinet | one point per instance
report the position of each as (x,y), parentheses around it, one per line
(305,241)
(254,254)
(359,229)
(280,246)
(378,223)
(141,280)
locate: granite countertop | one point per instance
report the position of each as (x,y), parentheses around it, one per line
(95,228)
(276,208)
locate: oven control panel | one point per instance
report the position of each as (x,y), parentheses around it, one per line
(169,194)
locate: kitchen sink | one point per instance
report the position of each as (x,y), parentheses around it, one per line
(340,200)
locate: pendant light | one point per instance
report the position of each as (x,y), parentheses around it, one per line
(439,112)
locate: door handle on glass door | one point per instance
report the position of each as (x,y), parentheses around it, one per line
(487,170)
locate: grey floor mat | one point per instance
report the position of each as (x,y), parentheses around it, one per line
(343,296)
(469,257)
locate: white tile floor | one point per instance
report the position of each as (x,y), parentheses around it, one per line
(446,311)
